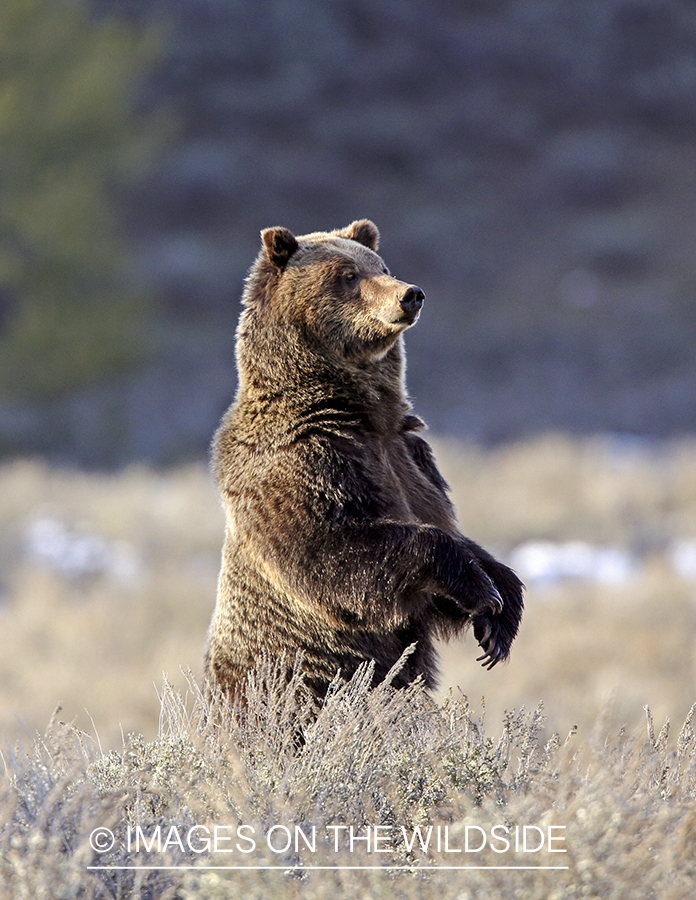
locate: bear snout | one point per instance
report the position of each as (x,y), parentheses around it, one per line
(412,301)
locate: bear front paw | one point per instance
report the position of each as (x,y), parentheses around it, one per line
(482,590)
(495,631)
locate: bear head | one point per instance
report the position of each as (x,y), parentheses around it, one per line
(333,289)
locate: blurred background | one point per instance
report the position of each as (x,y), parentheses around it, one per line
(530,164)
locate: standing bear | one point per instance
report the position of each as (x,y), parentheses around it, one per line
(341,541)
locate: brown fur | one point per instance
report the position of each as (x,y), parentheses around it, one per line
(341,541)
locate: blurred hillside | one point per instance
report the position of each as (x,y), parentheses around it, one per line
(529,163)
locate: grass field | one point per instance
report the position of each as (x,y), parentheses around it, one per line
(108,581)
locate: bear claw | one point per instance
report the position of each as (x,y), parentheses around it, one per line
(491,658)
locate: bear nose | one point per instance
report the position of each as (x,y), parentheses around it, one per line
(412,300)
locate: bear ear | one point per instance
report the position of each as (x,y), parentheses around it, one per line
(363,231)
(279,244)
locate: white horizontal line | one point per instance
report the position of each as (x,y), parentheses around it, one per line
(331,868)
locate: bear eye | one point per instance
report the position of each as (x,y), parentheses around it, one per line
(350,277)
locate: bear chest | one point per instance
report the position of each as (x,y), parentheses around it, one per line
(408,493)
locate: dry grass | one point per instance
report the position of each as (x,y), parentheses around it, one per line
(582,642)
(622,807)
(100,640)
(108,580)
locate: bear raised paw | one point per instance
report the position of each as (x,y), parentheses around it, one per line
(341,541)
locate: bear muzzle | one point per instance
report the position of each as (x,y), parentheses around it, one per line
(411,303)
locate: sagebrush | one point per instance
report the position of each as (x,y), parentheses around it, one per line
(622,805)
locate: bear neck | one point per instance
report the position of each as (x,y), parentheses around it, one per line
(291,379)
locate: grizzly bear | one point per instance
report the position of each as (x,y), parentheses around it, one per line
(341,541)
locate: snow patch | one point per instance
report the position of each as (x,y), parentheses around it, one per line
(74,554)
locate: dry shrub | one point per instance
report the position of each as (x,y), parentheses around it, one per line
(367,757)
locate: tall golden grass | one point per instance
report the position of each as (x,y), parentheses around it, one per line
(98,641)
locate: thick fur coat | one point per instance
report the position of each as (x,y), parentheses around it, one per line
(341,541)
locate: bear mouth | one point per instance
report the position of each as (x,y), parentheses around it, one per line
(406,319)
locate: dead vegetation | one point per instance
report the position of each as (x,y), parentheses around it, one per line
(418,788)
(118,588)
